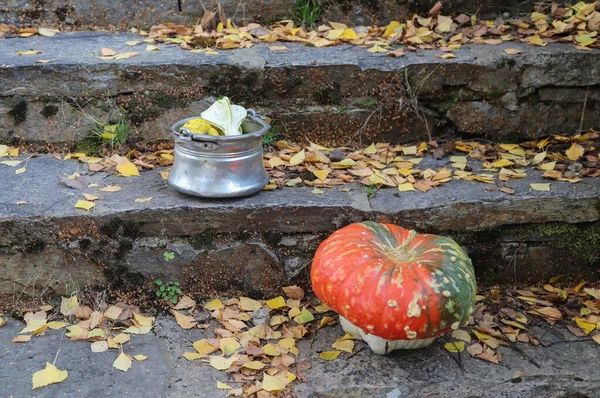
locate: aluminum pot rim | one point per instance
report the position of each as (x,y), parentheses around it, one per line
(227,138)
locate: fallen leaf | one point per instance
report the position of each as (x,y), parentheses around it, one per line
(221,363)
(294,292)
(29,52)
(21,339)
(377,49)
(276,303)
(512,51)
(68,306)
(587,327)
(185,302)
(461,334)
(271,383)
(99,346)
(255,365)
(317,191)
(21,170)
(107,52)
(184,321)
(278,48)
(229,345)
(223,386)
(204,347)
(575,152)
(143,200)
(90,197)
(248,304)
(455,346)
(540,187)
(344,345)
(213,305)
(111,188)
(49,375)
(84,205)
(128,169)
(140,357)
(123,362)
(329,355)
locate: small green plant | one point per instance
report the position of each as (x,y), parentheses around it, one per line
(270,137)
(368,103)
(169,256)
(306,12)
(168,291)
(371,191)
(112,134)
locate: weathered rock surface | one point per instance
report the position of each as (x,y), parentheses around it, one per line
(564,369)
(144,13)
(340,95)
(251,245)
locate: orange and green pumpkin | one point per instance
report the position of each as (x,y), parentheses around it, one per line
(394,283)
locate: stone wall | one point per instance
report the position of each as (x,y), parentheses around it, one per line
(144,13)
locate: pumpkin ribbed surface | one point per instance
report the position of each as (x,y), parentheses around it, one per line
(394,283)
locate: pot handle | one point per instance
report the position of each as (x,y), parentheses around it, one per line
(186,135)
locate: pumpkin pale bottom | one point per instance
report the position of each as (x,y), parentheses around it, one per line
(382,346)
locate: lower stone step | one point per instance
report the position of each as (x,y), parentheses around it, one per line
(254,245)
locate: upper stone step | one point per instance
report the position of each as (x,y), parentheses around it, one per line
(145,13)
(339,95)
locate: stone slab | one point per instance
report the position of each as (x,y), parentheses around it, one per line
(483,91)
(531,235)
(564,369)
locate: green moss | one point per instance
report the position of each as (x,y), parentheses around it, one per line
(329,94)
(163,100)
(89,146)
(582,241)
(203,241)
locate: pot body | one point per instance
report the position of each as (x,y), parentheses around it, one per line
(219,166)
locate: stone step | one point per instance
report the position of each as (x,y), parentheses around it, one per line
(342,94)
(253,245)
(145,13)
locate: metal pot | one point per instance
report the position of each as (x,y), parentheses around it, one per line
(219,166)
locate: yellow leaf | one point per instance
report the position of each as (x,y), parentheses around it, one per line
(128,169)
(29,52)
(536,40)
(151,47)
(133,42)
(391,28)
(248,304)
(538,158)
(143,200)
(446,56)
(298,158)
(190,356)
(68,305)
(596,338)
(271,350)
(56,325)
(11,163)
(377,49)
(276,303)
(123,362)
(305,316)
(348,34)
(50,375)
(455,346)
(276,161)
(47,32)
(595,293)
(370,150)
(213,305)
(221,363)
(461,335)
(229,345)
(84,205)
(113,312)
(111,188)
(321,174)
(256,365)
(329,355)
(121,338)
(138,329)
(326,320)
(578,287)
(223,386)
(344,345)
(143,320)
(407,186)
(140,357)
(502,163)
(21,170)
(587,327)
(125,55)
(547,166)
(512,51)
(278,48)
(317,191)
(540,187)
(575,152)
(271,383)
(204,347)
